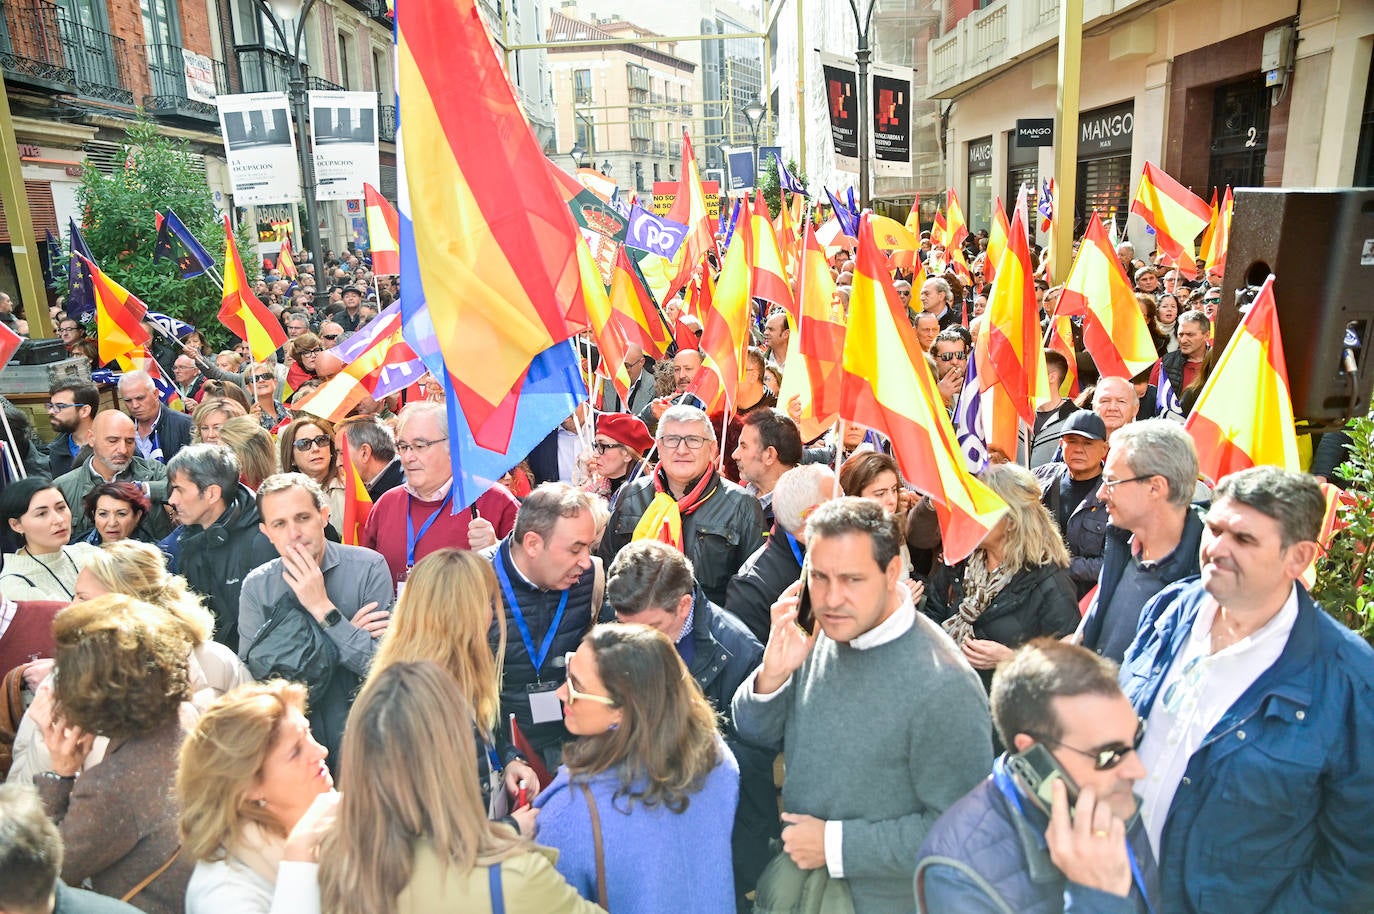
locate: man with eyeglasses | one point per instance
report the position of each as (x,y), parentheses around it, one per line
(1259,718)
(641,390)
(411,521)
(71,334)
(718,524)
(161,432)
(1000,849)
(71,406)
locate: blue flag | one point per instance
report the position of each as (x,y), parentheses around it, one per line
(81,294)
(654,234)
(175,241)
(968,421)
(169,325)
(730,229)
(1166,401)
(849,220)
(788,181)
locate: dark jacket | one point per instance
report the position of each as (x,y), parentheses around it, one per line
(762,579)
(1171,366)
(1116,554)
(80,901)
(173,432)
(1045,444)
(389,479)
(1274,808)
(1037,601)
(215,560)
(1086,530)
(718,537)
(1006,847)
(60,456)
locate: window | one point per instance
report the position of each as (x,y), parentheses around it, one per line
(160,25)
(381,74)
(582,87)
(585,132)
(345,75)
(637,82)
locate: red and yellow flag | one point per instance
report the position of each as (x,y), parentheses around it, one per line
(240,310)
(383,232)
(1217,238)
(1001,423)
(1244,415)
(1015,357)
(956,230)
(118,316)
(606,330)
(689,208)
(1061,341)
(937,230)
(634,309)
(1176,214)
(286,264)
(997,240)
(357,502)
(725,330)
(887,390)
(1114,330)
(815,351)
(768,277)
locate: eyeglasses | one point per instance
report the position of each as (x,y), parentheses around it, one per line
(1110,484)
(68,329)
(259,378)
(574,694)
(305,444)
(328,336)
(951,356)
(57,407)
(1185,688)
(602,447)
(1107,757)
(671,442)
(315,351)
(419,447)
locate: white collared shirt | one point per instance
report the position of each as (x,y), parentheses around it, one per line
(1199,688)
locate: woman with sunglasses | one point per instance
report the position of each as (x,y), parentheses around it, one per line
(305,354)
(307,446)
(267,408)
(648,774)
(618,449)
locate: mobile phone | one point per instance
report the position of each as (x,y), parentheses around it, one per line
(1038,770)
(805,619)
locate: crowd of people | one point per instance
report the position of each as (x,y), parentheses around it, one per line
(673,662)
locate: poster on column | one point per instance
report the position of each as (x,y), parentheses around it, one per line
(343,133)
(260,147)
(891,120)
(842,103)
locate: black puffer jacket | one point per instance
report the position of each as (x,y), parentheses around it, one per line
(1086,533)
(1037,601)
(718,537)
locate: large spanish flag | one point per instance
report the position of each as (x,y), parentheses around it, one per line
(1016,357)
(1244,415)
(890,391)
(489,273)
(768,278)
(689,208)
(118,316)
(1176,214)
(815,350)
(240,310)
(1114,330)
(635,309)
(383,232)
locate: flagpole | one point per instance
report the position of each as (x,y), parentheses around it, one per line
(724,424)
(839,452)
(12,452)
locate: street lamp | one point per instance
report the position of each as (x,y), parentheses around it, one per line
(754,113)
(606,167)
(288,11)
(863,54)
(577,153)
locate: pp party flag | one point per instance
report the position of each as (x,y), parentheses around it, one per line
(357,501)
(1000,422)
(286,264)
(174,328)
(488,257)
(956,230)
(1176,214)
(887,388)
(1166,401)
(1046,205)
(118,316)
(240,311)
(383,232)
(635,310)
(654,234)
(768,279)
(1218,236)
(689,209)
(1016,358)
(1244,415)
(610,337)
(1114,330)
(377,362)
(815,350)
(81,294)
(968,422)
(175,241)
(1061,341)
(847,218)
(788,181)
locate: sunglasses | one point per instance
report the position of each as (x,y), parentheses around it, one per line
(574,695)
(1107,757)
(951,356)
(328,336)
(259,378)
(305,444)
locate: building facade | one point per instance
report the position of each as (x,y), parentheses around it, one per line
(513,24)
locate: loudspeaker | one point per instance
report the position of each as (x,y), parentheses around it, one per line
(1319,244)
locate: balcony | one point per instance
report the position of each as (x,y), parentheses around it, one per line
(100,61)
(181,86)
(386,121)
(31,49)
(1000,35)
(318,84)
(263,69)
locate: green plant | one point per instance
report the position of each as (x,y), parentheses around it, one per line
(1345,580)
(772,190)
(119,226)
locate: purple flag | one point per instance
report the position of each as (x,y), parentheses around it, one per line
(647,232)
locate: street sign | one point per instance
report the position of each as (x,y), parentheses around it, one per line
(1034,131)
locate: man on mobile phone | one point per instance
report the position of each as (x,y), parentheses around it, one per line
(1001,847)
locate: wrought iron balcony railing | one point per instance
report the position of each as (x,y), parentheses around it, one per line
(100,61)
(183,86)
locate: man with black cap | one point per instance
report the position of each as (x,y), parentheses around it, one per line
(350,318)
(1069,489)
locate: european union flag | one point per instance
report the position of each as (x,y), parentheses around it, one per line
(175,241)
(81,293)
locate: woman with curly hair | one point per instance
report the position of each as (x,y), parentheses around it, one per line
(650,769)
(124,676)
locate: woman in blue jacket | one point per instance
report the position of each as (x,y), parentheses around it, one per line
(648,775)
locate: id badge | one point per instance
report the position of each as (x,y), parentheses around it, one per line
(401,585)
(544,704)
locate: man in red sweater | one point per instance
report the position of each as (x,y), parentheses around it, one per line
(416,518)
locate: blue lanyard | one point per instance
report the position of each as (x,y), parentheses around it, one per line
(412,538)
(536,658)
(1002,778)
(493,759)
(796,548)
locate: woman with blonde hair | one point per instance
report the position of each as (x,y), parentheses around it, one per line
(255,794)
(209,417)
(265,391)
(412,834)
(1014,587)
(252,444)
(444,613)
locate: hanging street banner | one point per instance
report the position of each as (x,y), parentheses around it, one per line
(741,162)
(200,77)
(665,192)
(343,134)
(260,147)
(891,124)
(842,103)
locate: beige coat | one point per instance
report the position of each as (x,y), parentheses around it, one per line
(529,883)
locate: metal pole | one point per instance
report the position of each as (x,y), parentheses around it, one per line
(863,55)
(801,92)
(1066,134)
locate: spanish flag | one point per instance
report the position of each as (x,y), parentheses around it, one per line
(1176,214)
(768,279)
(1061,341)
(383,232)
(366,357)
(887,390)
(1016,358)
(1114,330)
(1244,415)
(240,310)
(635,310)
(118,316)
(357,502)
(815,350)
(956,230)
(725,330)
(286,264)
(1217,238)
(608,333)
(689,208)
(997,240)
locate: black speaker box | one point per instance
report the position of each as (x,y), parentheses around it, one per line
(1319,244)
(39,352)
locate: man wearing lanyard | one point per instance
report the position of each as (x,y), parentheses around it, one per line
(997,849)
(161,432)
(414,519)
(551,588)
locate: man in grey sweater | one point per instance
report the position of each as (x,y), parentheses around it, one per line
(885,724)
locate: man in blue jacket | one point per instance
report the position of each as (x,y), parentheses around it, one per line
(1260,712)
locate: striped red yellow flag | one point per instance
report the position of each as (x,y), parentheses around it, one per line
(383,232)
(815,350)
(768,277)
(1016,358)
(606,330)
(1001,423)
(1114,330)
(956,229)
(635,310)
(357,501)
(997,240)
(1061,341)
(118,316)
(886,389)
(724,315)
(286,264)
(240,310)
(1176,214)
(689,208)
(1218,236)
(1244,415)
